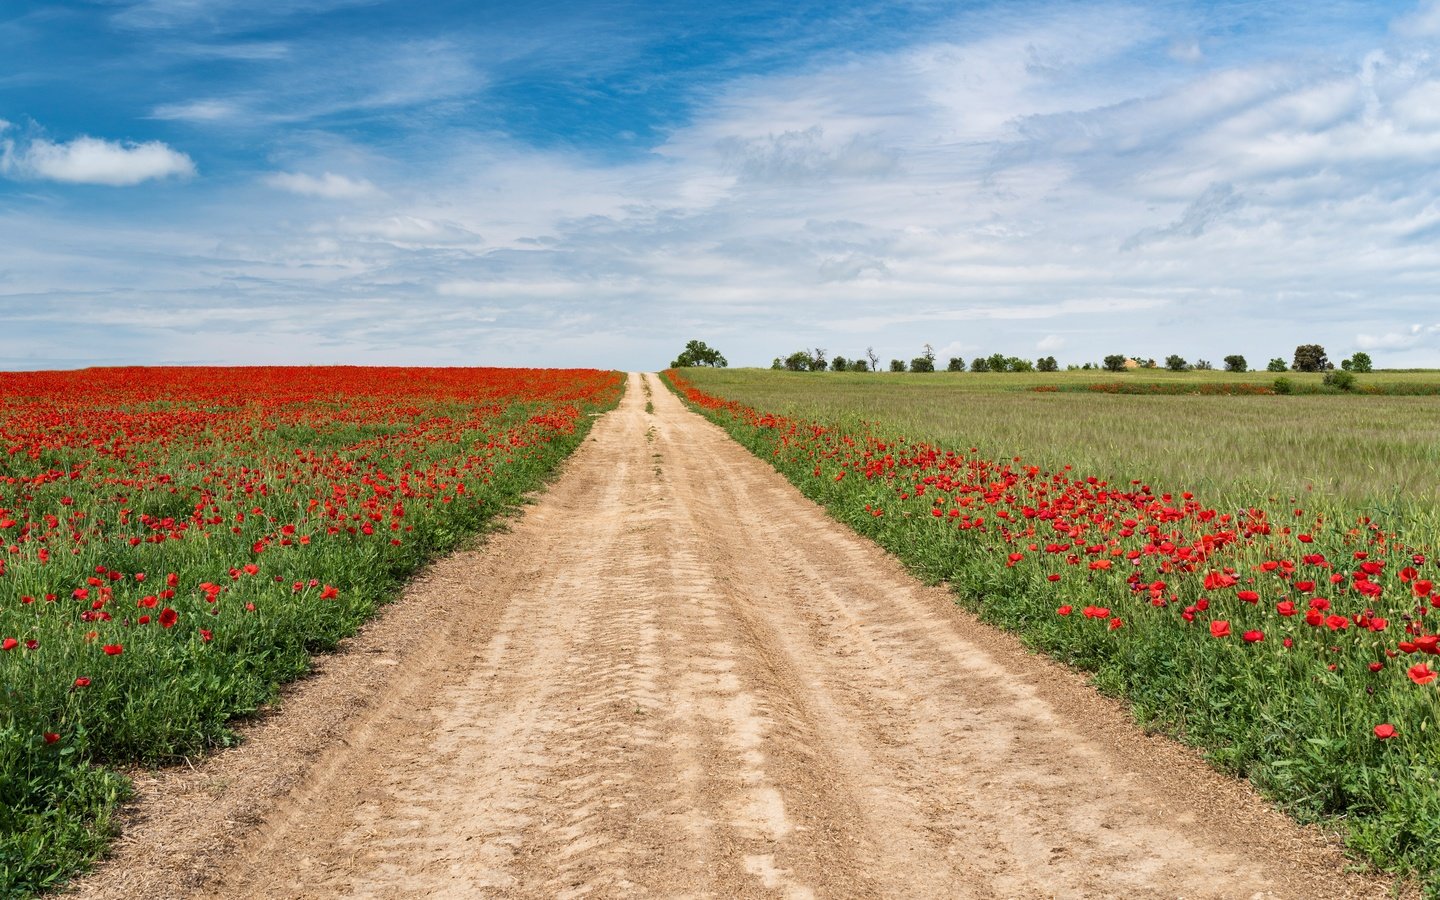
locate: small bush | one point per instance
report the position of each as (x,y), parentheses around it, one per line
(1340,379)
(1284,386)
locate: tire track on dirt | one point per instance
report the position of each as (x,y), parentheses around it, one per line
(676,677)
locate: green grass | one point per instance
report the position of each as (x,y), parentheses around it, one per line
(1377,453)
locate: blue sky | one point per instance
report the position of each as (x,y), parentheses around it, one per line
(556,183)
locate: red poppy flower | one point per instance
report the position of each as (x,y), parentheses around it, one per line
(51,737)
(1385,732)
(168,617)
(1248,596)
(1420,673)
(9,644)
(1337,623)
(113,649)
(1219,628)
(1116,623)
(1065,610)
(82,682)
(1285,607)
(1254,636)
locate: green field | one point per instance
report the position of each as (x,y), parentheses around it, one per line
(1358,451)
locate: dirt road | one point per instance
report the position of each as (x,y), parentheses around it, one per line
(676,677)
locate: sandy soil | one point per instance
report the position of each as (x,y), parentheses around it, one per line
(676,677)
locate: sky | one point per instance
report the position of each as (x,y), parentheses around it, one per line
(596,183)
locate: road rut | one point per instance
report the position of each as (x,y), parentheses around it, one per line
(677,677)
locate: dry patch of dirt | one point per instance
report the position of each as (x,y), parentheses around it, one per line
(677,677)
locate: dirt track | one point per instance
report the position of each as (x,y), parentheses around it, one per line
(676,677)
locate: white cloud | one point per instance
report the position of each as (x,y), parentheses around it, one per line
(1409,339)
(198,111)
(1050,343)
(88,160)
(1422,22)
(1186,52)
(328,185)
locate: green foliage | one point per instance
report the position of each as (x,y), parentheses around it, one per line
(799,361)
(1284,386)
(859,365)
(956,364)
(1176,363)
(1310,358)
(839,364)
(1361,363)
(696,353)
(922,364)
(1047,364)
(1115,362)
(998,362)
(1203,365)
(980,364)
(1236,363)
(1340,379)
(1277,365)
(897,365)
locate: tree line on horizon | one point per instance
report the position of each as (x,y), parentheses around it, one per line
(1307,358)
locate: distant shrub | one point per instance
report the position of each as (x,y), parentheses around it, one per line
(1277,365)
(897,365)
(859,365)
(1176,363)
(1236,363)
(1284,386)
(1340,379)
(1115,362)
(956,365)
(922,364)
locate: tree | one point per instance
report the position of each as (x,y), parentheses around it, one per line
(980,364)
(1310,358)
(1176,363)
(859,365)
(697,354)
(1361,363)
(799,361)
(897,365)
(1236,363)
(922,364)
(1016,364)
(817,360)
(1047,364)
(778,363)
(1277,365)
(839,364)
(874,360)
(930,355)
(956,364)
(1115,362)
(999,362)
(1203,365)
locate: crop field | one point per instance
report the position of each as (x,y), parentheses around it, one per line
(176,542)
(1254,573)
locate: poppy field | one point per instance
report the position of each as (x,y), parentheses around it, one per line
(175,543)
(1285,618)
